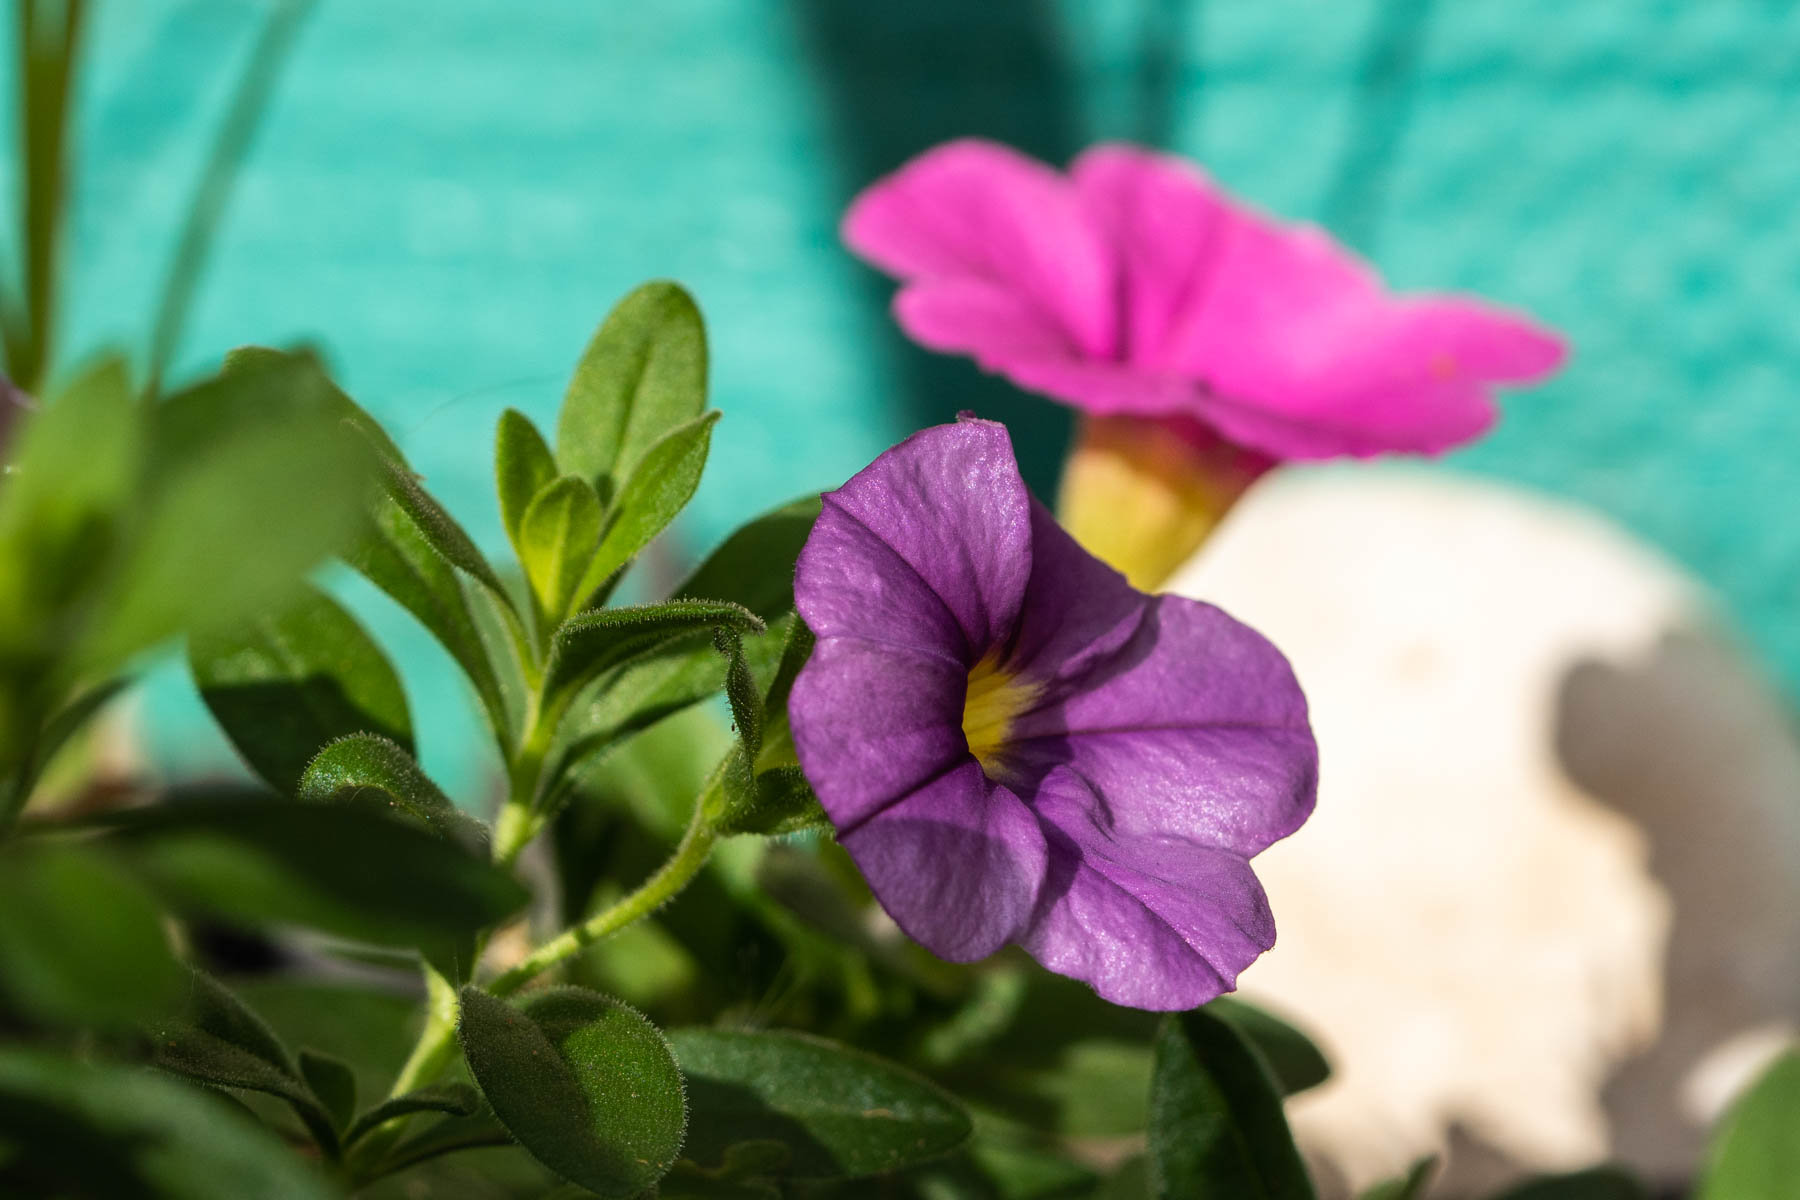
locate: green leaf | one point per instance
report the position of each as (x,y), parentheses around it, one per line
(556,541)
(434,522)
(1410,1186)
(656,491)
(1755,1153)
(781,801)
(592,643)
(366,771)
(81,941)
(1610,1183)
(343,871)
(393,553)
(222,457)
(1216,1125)
(292,679)
(584,1083)
(333,1082)
(741,691)
(642,374)
(842,1113)
(1293,1058)
(79,1129)
(219,1040)
(523,464)
(755,564)
(457,1099)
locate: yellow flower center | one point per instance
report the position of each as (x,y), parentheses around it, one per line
(993,702)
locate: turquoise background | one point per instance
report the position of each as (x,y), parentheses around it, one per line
(447,196)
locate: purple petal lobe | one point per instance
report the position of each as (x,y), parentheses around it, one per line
(871,722)
(1077,611)
(940,523)
(958,863)
(1155,923)
(1194,728)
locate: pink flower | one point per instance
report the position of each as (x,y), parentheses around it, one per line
(1134,286)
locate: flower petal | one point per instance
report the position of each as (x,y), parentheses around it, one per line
(1077,611)
(871,722)
(979,212)
(940,523)
(958,863)
(1194,728)
(1155,923)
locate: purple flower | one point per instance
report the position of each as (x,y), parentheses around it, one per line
(1134,286)
(1015,745)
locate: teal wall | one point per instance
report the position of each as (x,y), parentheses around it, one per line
(448,195)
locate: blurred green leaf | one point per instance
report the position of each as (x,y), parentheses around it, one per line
(592,643)
(81,941)
(842,1113)
(523,465)
(219,1040)
(1293,1058)
(70,1128)
(333,1083)
(1216,1125)
(222,457)
(457,1099)
(660,487)
(557,537)
(642,374)
(1410,1186)
(434,521)
(343,871)
(1610,1183)
(371,1030)
(582,1081)
(294,678)
(366,771)
(1755,1152)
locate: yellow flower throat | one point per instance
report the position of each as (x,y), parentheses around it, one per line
(993,702)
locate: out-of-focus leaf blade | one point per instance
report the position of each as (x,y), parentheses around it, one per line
(1599,1183)
(333,1082)
(584,1083)
(1216,1124)
(457,1099)
(842,1113)
(295,678)
(1293,1058)
(75,1128)
(1755,1153)
(642,374)
(1410,1186)
(755,564)
(81,941)
(523,464)
(366,771)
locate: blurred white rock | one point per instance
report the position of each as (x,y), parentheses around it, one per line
(1548,910)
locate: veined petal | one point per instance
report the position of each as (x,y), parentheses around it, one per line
(873,721)
(945,524)
(1077,611)
(1155,923)
(979,212)
(958,863)
(1194,728)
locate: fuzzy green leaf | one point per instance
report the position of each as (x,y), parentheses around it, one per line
(80,1129)
(642,374)
(755,564)
(584,1083)
(1216,1125)
(1755,1153)
(218,1039)
(1293,1058)
(292,679)
(333,1082)
(557,537)
(523,464)
(434,522)
(343,871)
(592,643)
(81,941)
(842,1113)
(368,771)
(655,492)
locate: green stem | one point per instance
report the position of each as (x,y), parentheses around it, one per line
(696,845)
(430,1055)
